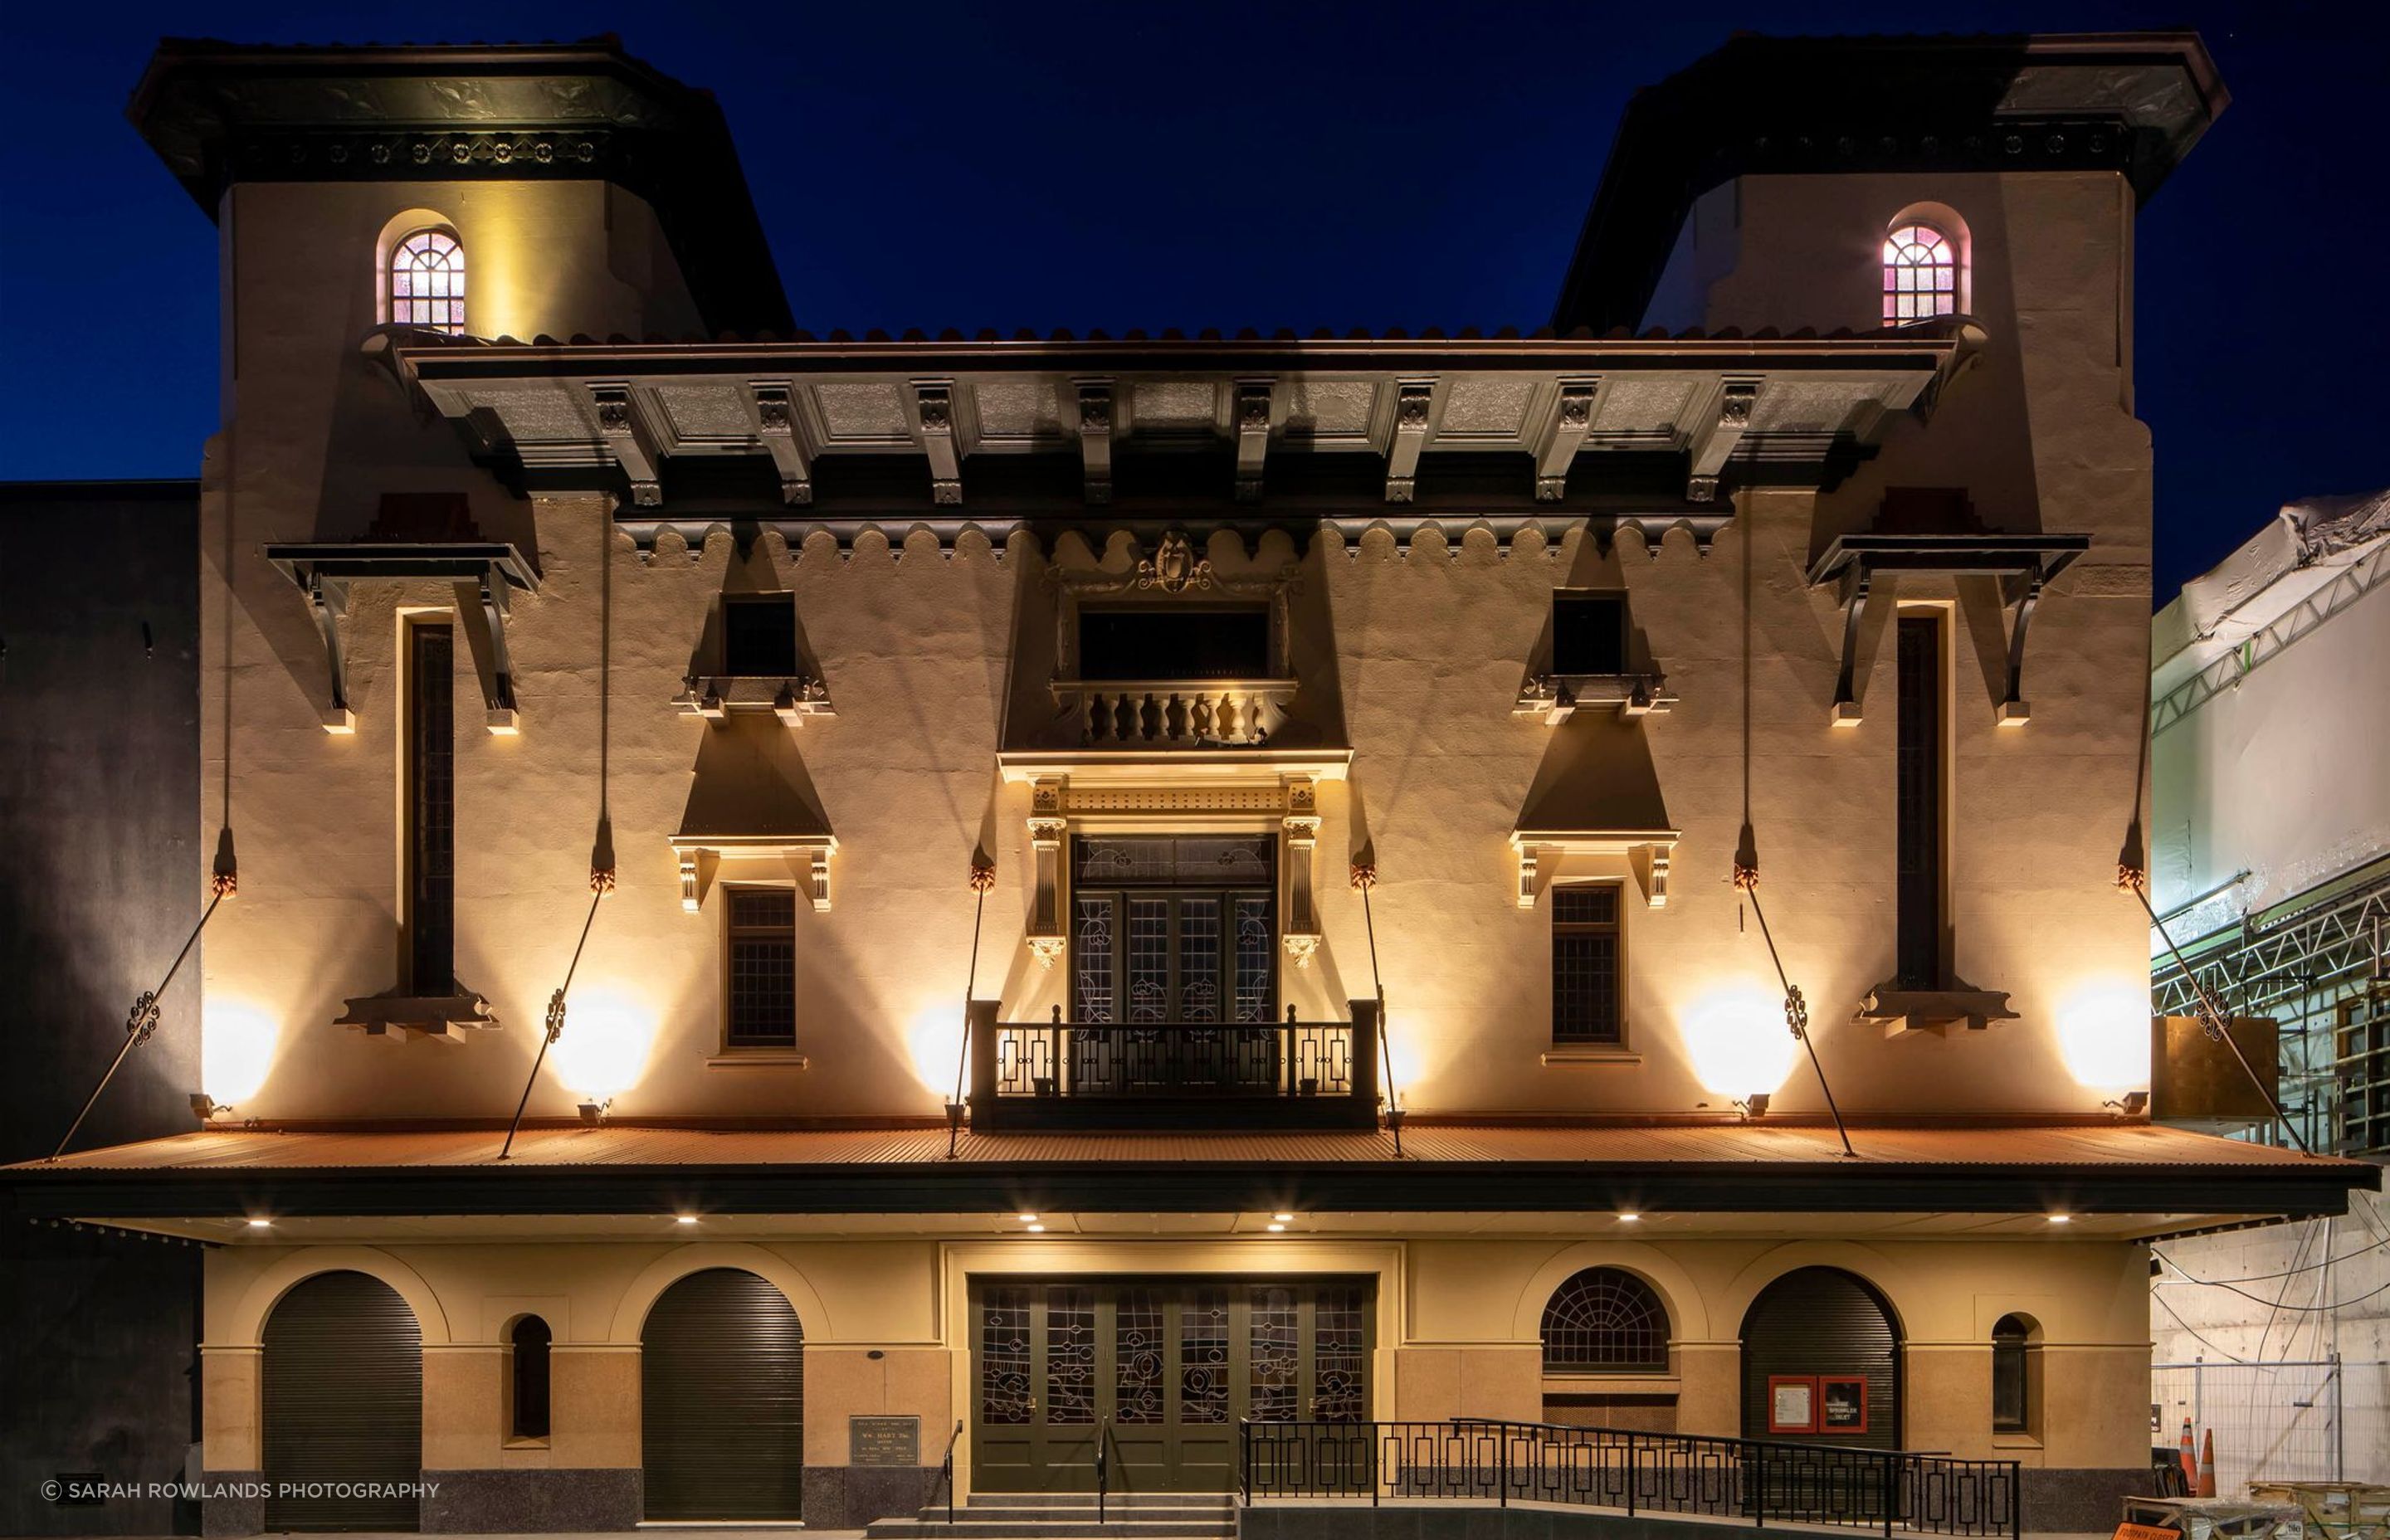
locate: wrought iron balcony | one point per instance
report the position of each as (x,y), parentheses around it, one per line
(1182,1074)
(1175,713)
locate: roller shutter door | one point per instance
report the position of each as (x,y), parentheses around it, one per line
(1822,1321)
(723,1400)
(343,1401)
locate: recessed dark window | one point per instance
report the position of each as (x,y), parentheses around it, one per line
(1585,964)
(1918,784)
(1589,633)
(1173,642)
(529,1344)
(763,967)
(431,809)
(759,637)
(2011,1376)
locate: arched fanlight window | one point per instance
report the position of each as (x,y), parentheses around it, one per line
(1920,274)
(427,282)
(1605,1318)
(529,1344)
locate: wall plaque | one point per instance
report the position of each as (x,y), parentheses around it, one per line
(883,1440)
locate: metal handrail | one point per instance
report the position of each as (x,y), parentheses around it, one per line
(1127,1060)
(1757,1478)
(946,1468)
(1103,1465)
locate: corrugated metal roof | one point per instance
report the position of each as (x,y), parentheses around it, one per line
(2119,1147)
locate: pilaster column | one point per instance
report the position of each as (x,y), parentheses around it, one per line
(1302,827)
(1048,830)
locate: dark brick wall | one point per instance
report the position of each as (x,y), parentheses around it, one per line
(101,881)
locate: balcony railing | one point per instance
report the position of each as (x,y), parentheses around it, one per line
(1057,1073)
(1747,1480)
(1175,713)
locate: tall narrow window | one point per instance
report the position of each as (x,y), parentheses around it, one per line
(763,967)
(2012,1366)
(1918,773)
(1920,274)
(527,1384)
(431,810)
(427,282)
(1584,964)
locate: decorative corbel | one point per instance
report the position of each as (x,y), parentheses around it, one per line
(1412,402)
(1048,829)
(1652,864)
(1252,437)
(1857,582)
(328,598)
(1096,439)
(692,892)
(934,403)
(2013,711)
(776,424)
(1527,860)
(499,701)
(1572,419)
(1302,826)
(820,878)
(628,440)
(1715,442)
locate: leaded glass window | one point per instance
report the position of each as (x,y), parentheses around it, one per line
(1339,1354)
(427,282)
(1204,1357)
(1069,1356)
(763,967)
(1585,964)
(1605,1320)
(1275,1361)
(1920,274)
(1139,1349)
(1004,1356)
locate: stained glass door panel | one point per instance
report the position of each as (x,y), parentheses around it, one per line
(1162,1369)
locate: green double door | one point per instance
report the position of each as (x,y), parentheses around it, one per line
(1160,1371)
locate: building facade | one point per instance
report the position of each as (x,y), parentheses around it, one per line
(1058,900)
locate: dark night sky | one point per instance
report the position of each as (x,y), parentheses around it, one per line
(1132,164)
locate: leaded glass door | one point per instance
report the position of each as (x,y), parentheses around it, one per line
(1162,1369)
(1174,945)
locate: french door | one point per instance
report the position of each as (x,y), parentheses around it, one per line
(1161,1370)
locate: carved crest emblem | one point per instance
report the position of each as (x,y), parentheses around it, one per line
(1174,567)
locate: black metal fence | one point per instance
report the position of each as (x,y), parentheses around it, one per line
(1724,1477)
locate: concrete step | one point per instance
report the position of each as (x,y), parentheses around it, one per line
(1070,1516)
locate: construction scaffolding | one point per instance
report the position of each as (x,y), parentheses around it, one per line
(2316,964)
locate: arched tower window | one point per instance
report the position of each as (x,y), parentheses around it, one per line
(527,1381)
(1920,274)
(427,281)
(1605,1320)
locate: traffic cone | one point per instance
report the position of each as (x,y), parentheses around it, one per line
(2207,1467)
(2190,1460)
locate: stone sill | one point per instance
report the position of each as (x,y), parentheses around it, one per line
(1556,1058)
(758,1058)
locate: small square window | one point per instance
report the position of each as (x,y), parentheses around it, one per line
(1589,633)
(1175,642)
(762,968)
(759,637)
(1587,974)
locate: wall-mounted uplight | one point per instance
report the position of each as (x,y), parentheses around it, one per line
(594,1112)
(2132,1104)
(1029,1219)
(1283,1218)
(207,1109)
(1752,1106)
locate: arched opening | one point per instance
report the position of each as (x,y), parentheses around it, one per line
(1821,1362)
(1601,1323)
(527,1397)
(2016,1374)
(342,1389)
(425,281)
(722,1400)
(1922,267)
